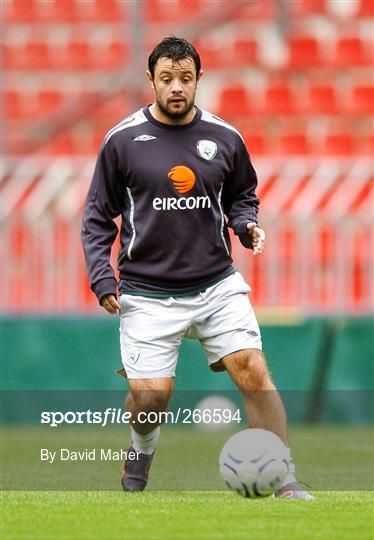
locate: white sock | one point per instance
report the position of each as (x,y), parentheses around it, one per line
(290,477)
(145,444)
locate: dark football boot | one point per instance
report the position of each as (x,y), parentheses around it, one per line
(134,475)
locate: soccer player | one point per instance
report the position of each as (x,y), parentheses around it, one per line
(173,171)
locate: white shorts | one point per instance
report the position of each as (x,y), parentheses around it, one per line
(152,329)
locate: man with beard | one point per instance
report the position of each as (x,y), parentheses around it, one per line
(173,171)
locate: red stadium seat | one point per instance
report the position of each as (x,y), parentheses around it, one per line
(58,11)
(15,11)
(189,10)
(254,11)
(12,104)
(79,55)
(10,56)
(110,112)
(366,8)
(279,100)
(233,102)
(245,51)
(255,143)
(353,52)
(116,55)
(19,240)
(304,52)
(212,57)
(153,11)
(48,101)
(322,100)
(305,8)
(294,144)
(363,100)
(172,11)
(60,144)
(99,10)
(36,55)
(339,144)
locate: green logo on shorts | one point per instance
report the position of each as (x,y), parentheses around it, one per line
(133,355)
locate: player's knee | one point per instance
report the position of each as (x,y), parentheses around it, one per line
(146,407)
(151,400)
(249,370)
(258,372)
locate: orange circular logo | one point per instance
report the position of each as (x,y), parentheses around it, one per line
(182,177)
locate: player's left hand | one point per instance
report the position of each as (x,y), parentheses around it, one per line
(257,236)
(110,304)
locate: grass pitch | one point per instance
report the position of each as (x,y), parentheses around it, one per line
(335,459)
(183,515)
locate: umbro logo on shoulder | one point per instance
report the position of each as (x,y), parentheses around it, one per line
(144,138)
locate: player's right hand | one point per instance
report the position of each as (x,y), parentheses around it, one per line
(110,304)
(257,236)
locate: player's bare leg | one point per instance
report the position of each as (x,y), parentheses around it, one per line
(145,396)
(263,403)
(264,406)
(148,395)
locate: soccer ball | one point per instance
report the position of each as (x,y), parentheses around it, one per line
(254,463)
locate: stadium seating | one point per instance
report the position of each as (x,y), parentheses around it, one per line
(175,10)
(211,57)
(363,99)
(234,102)
(108,11)
(255,142)
(352,51)
(78,56)
(279,100)
(300,90)
(294,144)
(366,8)
(61,144)
(304,52)
(12,104)
(36,54)
(275,97)
(115,56)
(48,101)
(258,11)
(15,11)
(322,100)
(304,8)
(245,51)
(339,144)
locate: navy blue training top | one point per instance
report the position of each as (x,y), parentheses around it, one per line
(177,189)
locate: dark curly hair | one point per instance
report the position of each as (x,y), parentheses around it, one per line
(176,49)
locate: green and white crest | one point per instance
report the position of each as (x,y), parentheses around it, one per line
(207,149)
(133,355)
